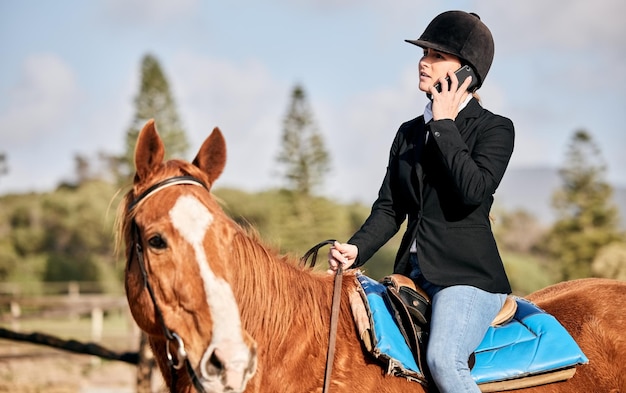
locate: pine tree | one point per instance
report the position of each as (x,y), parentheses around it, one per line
(303,154)
(586,218)
(4,168)
(611,261)
(154,101)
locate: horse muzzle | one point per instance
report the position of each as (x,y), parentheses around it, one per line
(228,367)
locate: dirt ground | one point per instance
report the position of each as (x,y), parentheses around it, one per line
(28,368)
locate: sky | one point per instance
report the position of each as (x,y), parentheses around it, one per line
(70,70)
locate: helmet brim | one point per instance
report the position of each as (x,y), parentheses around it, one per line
(430,45)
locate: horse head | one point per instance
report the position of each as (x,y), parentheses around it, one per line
(177,285)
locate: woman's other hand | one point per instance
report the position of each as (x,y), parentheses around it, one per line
(342,254)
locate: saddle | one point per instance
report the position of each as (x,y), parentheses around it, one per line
(411,309)
(518,350)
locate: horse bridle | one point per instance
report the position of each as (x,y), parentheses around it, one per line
(170,335)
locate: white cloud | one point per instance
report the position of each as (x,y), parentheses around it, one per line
(360,132)
(141,12)
(41,102)
(565,61)
(245,101)
(248,103)
(48,118)
(36,123)
(575,24)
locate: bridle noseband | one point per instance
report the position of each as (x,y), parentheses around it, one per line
(181,359)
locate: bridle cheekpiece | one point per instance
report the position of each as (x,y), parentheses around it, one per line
(175,362)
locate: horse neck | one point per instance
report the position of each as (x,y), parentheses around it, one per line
(276,298)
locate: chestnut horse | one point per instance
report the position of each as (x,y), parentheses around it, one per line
(226,313)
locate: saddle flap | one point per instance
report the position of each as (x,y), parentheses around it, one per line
(402,315)
(417,305)
(411,310)
(399,281)
(414,299)
(381,331)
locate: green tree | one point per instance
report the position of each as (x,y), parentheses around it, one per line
(611,261)
(82,168)
(78,226)
(59,236)
(586,218)
(4,167)
(517,231)
(303,155)
(154,101)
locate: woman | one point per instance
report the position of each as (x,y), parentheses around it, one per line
(443,170)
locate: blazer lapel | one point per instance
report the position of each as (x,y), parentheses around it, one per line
(469,113)
(419,146)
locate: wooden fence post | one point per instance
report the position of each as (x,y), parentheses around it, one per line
(97,322)
(16,312)
(145,365)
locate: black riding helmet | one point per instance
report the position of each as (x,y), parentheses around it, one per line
(461,34)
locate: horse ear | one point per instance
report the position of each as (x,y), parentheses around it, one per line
(149,151)
(211,157)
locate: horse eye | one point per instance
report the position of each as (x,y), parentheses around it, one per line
(157,242)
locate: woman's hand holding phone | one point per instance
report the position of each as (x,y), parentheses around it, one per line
(461,74)
(446,102)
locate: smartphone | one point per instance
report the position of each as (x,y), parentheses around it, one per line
(462,74)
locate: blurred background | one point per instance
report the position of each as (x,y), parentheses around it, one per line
(309,95)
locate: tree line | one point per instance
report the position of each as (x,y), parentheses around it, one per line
(67,234)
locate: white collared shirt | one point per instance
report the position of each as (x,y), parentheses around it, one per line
(428,110)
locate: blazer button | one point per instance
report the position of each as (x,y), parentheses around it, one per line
(437,134)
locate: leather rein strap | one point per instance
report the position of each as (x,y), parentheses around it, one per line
(170,335)
(334,312)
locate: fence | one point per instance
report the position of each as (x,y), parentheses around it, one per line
(73,300)
(58,300)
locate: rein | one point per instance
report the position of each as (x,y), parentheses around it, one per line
(182,358)
(334,312)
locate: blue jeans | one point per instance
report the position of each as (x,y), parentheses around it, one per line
(461,315)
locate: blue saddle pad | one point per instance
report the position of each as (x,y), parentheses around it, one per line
(533,342)
(389,341)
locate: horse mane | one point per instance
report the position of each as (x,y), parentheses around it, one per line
(292,296)
(123,219)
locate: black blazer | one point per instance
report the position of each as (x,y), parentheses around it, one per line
(444,184)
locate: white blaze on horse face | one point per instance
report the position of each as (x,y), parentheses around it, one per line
(192,219)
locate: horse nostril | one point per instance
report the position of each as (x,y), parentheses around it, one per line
(228,366)
(215,364)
